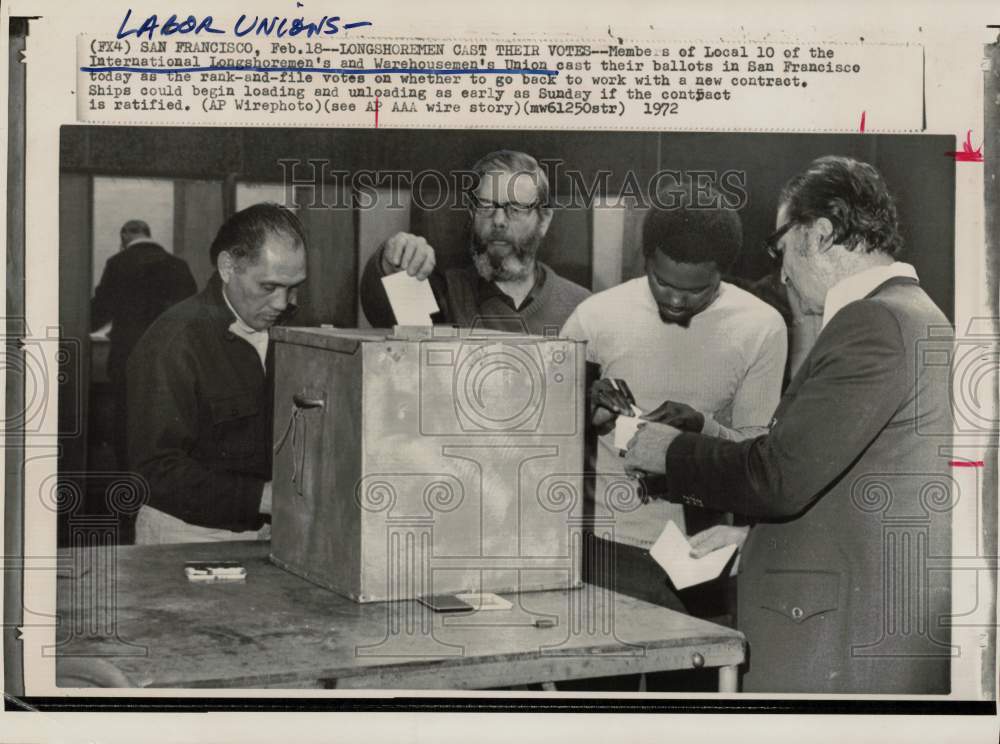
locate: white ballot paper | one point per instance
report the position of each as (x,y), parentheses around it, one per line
(672,552)
(411,299)
(485,601)
(625,429)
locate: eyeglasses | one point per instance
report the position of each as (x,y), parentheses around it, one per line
(486,208)
(772,241)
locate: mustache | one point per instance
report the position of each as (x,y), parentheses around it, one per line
(482,245)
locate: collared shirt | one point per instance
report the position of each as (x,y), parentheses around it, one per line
(488,290)
(860,285)
(257,339)
(140,239)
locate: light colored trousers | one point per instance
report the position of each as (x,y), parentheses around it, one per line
(153,527)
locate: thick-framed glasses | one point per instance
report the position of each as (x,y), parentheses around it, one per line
(512,210)
(771,243)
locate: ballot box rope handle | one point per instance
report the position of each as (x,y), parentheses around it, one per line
(298,460)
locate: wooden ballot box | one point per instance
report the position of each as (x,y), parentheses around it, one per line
(429,461)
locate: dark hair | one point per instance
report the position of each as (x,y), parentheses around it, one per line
(243,234)
(853,196)
(691,234)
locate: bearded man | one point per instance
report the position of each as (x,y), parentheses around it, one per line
(506,287)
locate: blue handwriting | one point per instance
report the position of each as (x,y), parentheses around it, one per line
(267,26)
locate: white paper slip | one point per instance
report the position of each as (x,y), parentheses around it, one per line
(672,552)
(411,299)
(625,428)
(485,601)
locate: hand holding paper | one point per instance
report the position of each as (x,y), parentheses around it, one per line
(609,398)
(646,455)
(678,415)
(672,552)
(625,429)
(716,537)
(408,253)
(411,299)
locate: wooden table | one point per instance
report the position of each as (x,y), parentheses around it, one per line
(131,611)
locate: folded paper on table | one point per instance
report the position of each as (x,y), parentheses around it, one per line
(672,551)
(411,299)
(485,601)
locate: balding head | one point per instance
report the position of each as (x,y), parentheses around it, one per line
(132,230)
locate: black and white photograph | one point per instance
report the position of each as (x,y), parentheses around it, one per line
(444,372)
(538,413)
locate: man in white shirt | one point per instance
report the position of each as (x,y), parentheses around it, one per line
(695,351)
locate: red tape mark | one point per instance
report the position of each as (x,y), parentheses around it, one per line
(863,121)
(968,154)
(967,464)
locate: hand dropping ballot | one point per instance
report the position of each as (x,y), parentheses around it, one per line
(672,551)
(411,299)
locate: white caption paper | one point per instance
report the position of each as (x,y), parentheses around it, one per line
(672,552)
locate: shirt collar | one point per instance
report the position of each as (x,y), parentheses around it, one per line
(140,239)
(239,326)
(860,285)
(487,290)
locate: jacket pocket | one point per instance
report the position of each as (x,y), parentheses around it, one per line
(800,595)
(236,424)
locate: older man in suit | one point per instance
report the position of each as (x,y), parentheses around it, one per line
(139,283)
(849,494)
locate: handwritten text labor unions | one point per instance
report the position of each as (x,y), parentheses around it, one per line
(277,26)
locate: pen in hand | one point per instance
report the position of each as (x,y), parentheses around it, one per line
(622,387)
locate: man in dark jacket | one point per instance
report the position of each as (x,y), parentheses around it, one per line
(138,284)
(850,490)
(201,384)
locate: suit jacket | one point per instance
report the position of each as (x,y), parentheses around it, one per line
(137,285)
(852,496)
